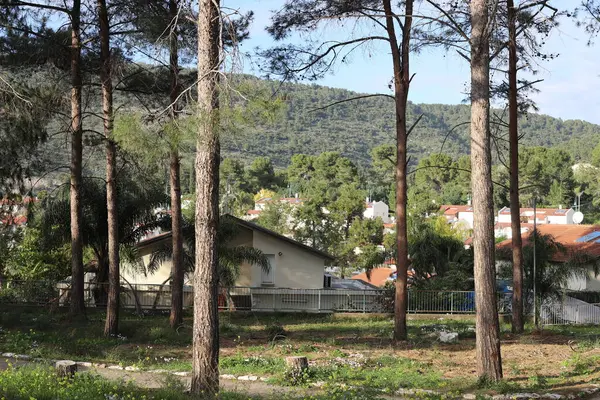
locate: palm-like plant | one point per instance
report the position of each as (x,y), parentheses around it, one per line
(551,278)
(136,217)
(230,257)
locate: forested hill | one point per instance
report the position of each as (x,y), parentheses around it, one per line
(353,128)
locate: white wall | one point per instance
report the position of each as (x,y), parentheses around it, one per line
(467,217)
(378,209)
(294,268)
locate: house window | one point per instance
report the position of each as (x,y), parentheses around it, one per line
(268,277)
(327,281)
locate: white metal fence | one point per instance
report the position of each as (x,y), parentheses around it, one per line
(568,310)
(565,310)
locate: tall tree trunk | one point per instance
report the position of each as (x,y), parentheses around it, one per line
(177,272)
(489,364)
(205,352)
(401,58)
(111,326)
(77,283)
(513,133)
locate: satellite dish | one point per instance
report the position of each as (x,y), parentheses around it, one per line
(578,217)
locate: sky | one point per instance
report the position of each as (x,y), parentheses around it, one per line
(570,88)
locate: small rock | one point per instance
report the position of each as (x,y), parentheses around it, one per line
(158,371)
(263,379)
(84,364)
(131,368)
(552,396)
(181,373)
(227,376)
(448,337)
(115,367)
(318,384)
(500,397)
(9,355)
(99,365)
(469,396)
(247,378)
(22,357)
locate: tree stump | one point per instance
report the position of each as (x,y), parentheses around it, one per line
(297,364)
(65,368)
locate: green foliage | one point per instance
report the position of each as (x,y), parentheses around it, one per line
(437,249)
(29,260)
(551,277)
(136,216)
(276,216)
(27,383)
(28,104)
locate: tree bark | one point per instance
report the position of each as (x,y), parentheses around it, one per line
(177,272)
(400,57)
(111,327)
(77,281)
(205,352)
(513,133)
(489,364)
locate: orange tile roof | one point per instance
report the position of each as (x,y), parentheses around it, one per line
(449,209)
(566,235)
(379,276)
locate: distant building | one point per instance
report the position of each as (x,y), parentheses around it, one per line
(377,209)
(560,216)
(458,213)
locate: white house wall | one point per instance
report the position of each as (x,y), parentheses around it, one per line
(294,268)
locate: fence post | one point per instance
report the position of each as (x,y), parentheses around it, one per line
(451,302)
(319,303)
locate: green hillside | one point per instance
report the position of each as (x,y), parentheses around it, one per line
(352,128)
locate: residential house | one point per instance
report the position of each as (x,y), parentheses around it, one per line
(377,209)
(561,216)
(293,267)
(458,214)
(293,264)
(576,240)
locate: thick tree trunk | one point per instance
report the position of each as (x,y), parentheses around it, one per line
(77,283)
(177,272)
(513,133)
(205,352)
(401,58)
(111,326)
(489,364)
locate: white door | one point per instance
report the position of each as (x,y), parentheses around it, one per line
(268,277)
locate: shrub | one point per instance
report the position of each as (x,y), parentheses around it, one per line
(275,331)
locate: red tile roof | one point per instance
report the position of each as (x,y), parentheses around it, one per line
(254,212)
(566,235)
(449,209)
(379,276)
